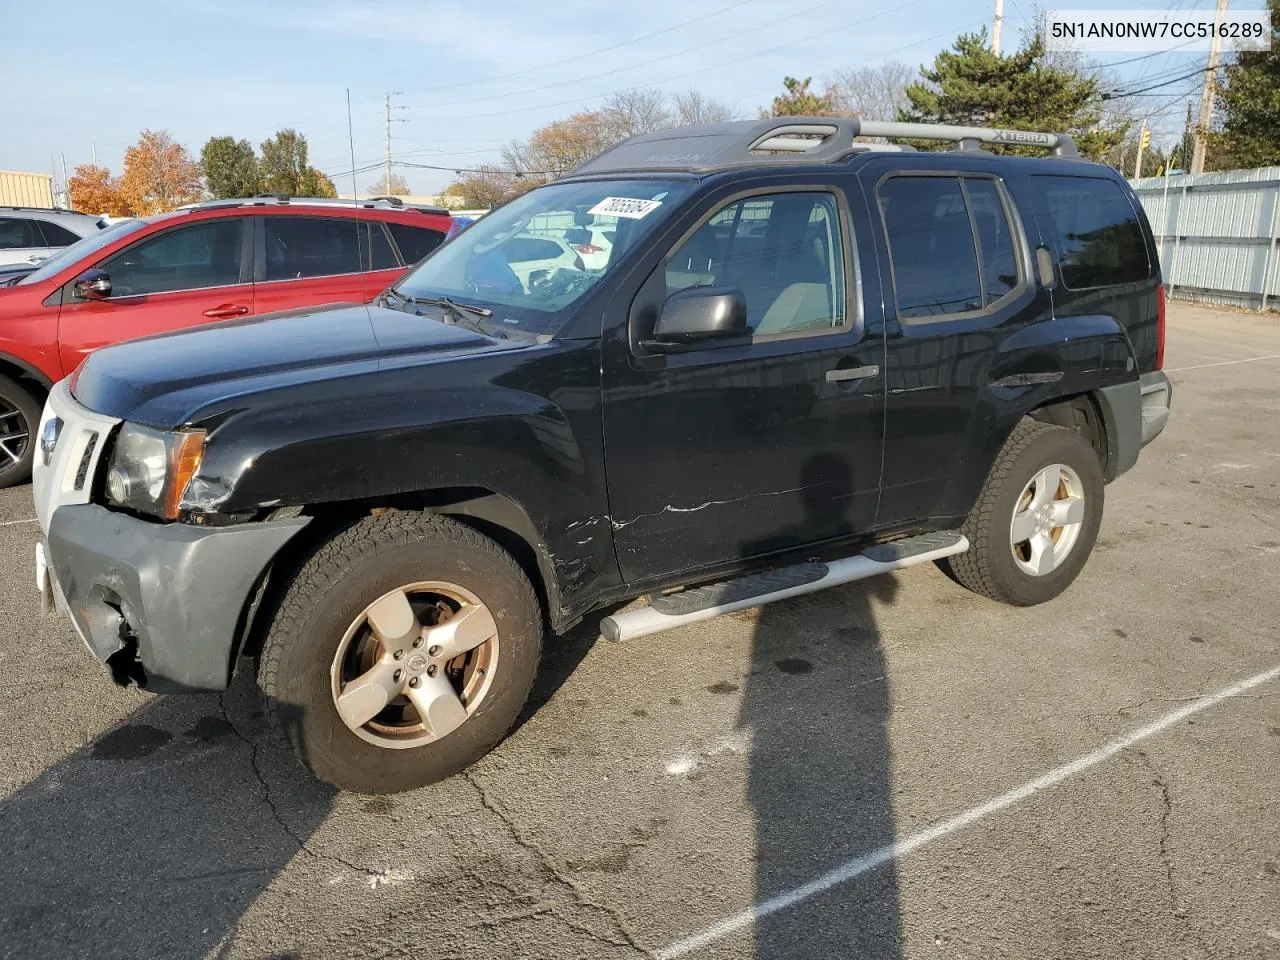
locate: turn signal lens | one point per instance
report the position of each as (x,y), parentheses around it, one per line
(186,451)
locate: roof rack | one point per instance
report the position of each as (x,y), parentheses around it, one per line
(9,206)
(776,140)
(284,200)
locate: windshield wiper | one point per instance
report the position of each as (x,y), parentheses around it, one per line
(468,314)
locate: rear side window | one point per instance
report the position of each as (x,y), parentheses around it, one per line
(375,249)
(17,233)
(57,236)
(202,255)
(1098,235)
(299,247)
(414,242)
(951,244)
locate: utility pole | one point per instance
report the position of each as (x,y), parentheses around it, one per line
(1206,97)
(93,149)
(66,184)
(1144,137)
(394,93)
(995,27)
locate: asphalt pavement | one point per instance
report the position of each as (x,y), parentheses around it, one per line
(893,769)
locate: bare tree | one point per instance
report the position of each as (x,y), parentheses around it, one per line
(631,112)
(872,93)
(693,107)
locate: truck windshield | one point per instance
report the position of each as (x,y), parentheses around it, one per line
(532,259)
(83,247)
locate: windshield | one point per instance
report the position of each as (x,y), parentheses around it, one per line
(532,259)
(81,248)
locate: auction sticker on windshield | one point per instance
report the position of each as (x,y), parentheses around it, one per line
(628,207)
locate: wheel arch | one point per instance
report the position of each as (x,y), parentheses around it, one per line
(22,371)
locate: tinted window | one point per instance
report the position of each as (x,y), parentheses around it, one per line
(995,238)
(1099,238)
(82,249)
(375,249)
(56,236)
(784,252)
(414,242)
(524,249)
(16,233)
(186,258)
(935,266)
(311,247)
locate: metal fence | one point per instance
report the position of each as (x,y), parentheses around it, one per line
(1216,234)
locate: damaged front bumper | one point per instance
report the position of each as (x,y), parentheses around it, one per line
(165,605)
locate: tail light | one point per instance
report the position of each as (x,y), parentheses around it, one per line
(1160,327)
(588,248)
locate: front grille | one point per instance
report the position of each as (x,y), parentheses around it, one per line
(83,472)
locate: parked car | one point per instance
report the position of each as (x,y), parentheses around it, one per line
(29,235)
(901,357)
(210,261)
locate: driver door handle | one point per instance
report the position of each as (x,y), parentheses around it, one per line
(224,310)
(853,373)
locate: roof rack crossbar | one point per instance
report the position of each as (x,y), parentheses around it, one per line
(1059,144)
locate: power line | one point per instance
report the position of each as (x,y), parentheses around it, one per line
(1115,94)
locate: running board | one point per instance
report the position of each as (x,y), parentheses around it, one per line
(703,603)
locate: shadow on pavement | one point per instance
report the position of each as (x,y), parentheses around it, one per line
(817,704)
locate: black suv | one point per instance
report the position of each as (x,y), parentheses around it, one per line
(748,361)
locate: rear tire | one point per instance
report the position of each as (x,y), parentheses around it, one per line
(336,626)
(1044,477)
(19,420)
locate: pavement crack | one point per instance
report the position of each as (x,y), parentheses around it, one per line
(276,815)
(1166,810)
(548,865)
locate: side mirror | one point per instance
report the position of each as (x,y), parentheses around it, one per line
(700,313)
(93,285)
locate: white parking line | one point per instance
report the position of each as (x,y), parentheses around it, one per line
(867,862)
(1224,363)
(14,523)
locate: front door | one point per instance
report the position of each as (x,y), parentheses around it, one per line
(179,277)
(738,450)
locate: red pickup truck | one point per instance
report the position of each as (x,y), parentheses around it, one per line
(211,261)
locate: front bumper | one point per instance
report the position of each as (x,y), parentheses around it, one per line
(174,596)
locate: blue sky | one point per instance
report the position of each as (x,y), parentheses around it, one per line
(472,75)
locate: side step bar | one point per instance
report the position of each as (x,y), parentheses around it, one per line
(703,603)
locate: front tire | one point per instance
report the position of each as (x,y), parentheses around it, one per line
(19,420)
(402,652)
(1037,518)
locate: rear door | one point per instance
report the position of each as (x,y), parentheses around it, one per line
(305,260)
(21,241)
(956,259)
(183,275)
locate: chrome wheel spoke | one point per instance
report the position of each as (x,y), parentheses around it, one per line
(10,449)
(465,630)
(1047,482)
(1043,559)
(1024,526)
(438,704)
(393,621)
(1068,512)
(368,694)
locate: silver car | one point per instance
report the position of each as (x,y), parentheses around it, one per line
(32,234)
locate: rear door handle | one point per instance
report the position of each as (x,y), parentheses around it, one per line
(222,311)
(853,373)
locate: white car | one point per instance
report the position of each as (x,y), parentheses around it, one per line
(594,243)
(29,235)
(534,258)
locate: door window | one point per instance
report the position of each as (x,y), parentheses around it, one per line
(414,242)
(299,247)
(1100,240)
(17,233)
(56,235)
(205,254)
(784,252)
(952,245)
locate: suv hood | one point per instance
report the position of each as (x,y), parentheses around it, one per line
(162,381)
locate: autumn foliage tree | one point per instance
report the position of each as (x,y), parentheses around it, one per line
(800,101)
(159,174)
(94,190)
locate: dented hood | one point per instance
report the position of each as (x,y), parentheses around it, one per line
(162,381)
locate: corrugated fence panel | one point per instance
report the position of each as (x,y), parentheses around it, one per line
(25,189)
(1216,234)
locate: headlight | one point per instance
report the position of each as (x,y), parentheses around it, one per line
(150,469)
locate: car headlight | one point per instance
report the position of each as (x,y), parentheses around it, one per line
(150,469)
